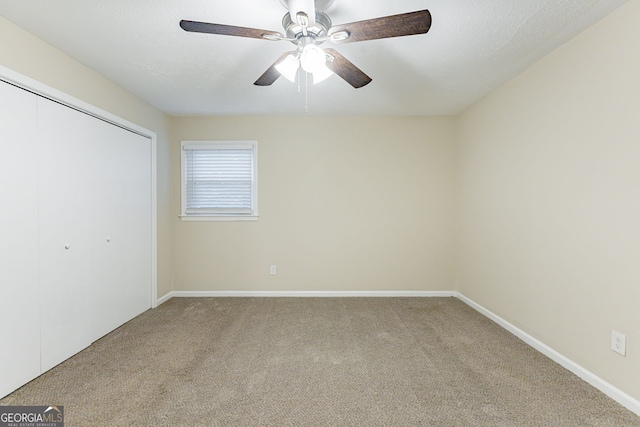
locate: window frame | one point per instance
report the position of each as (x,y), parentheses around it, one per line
(213,145)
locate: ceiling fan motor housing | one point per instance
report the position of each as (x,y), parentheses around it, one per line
(294,30)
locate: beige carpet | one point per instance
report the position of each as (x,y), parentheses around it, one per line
(317,362)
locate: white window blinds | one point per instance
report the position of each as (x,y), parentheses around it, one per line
(219,178)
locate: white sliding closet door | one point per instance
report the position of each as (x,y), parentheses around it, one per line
(67,230)
(123,228)
(19,289)
(95,228)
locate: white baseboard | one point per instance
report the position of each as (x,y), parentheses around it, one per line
(302,294)
(616,394)
(164,298)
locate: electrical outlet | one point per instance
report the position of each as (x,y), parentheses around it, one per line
(619,342)
(272,270)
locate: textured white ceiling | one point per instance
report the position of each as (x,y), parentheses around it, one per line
(473,47)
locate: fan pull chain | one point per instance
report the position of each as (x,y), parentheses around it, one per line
(306,93)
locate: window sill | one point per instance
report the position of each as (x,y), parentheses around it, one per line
(218,218)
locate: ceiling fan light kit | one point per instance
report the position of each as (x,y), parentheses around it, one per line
(307,26)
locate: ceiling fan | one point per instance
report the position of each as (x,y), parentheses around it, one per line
(307,27)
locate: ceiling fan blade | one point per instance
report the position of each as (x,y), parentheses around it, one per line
(225,30)
(346,70)
(271,75)
(406,24)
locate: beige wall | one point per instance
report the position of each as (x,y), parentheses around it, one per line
(549,199)
(22,52)
(548,178)
(346,204)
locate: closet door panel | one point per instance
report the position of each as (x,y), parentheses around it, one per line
(68,241)
(19,288)
(135,253)
(125,229)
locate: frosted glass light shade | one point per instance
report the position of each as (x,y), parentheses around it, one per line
(288,68)
(313,58)
(322,73)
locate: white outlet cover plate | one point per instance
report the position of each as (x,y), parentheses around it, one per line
(619,342)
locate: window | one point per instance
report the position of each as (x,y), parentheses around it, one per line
(219,180)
